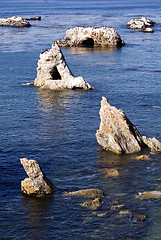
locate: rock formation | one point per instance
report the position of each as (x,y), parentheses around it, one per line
(91,37)
(18,22)
(53,72)
(37,185)
(117,134)
(86,193)
(141,24)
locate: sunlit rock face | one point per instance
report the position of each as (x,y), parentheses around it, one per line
(91,37)
(37,185)
(117,134)
(53,72)
(18,22)
(141,24)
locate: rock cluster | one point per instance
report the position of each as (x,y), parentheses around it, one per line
(53,72)
(18,22)
(37,185)
(142,24)
(117,134)
(91,37)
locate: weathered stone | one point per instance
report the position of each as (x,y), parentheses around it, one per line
(117,134)
(86,193)
(111,172)
(149,195)
(141,24)
(91,37)
(53,72)
(142,157)
(18,22)
(37,185)
(93,204)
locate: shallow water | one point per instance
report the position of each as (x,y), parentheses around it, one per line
(57,128)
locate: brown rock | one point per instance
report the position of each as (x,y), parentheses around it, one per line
(86,193)
(111,172)
(142,157)
(92,204)
(125,212)
(149,195)
(37,185)
(116,207)
(138,218)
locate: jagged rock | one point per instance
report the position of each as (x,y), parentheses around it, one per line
(18,22)
(117,134)
(86,193)
(37,185)
(91,37)
(92,204)
(53,72)
(141,24)
(149,195)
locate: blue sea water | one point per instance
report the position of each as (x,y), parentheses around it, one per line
(57,128)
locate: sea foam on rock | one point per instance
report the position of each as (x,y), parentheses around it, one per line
(117,134)
(18,22)
(142,24)
(37,185)
(91,37)
(53,72)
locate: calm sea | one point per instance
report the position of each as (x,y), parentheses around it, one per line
(57,128)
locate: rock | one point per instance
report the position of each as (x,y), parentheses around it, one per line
(91,37)
(138,218)
(37,185)
(149,195)
(53,72)
(37,18)
(18,22)
(125,212)
(152,143)
(92,204)
(117,134)
(111,172)
(86,193)
(116,207)
(141,24)
(142,157)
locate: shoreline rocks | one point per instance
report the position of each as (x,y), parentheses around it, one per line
(17,22)
(53,72)
(91,37)
(142,24)
(117,134)
(37,185)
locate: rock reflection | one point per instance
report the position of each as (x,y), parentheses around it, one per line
(88,50)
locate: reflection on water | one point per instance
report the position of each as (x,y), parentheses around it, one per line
(88,50)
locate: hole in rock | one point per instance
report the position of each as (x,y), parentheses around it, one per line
(55,74)
(89,42)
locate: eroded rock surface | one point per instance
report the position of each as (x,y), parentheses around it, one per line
(141,24)
(86,193)
(18,22)
(53,72)
(91,37)
(37,185)
(117,134)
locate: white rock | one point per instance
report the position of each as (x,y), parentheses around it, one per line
(14,22)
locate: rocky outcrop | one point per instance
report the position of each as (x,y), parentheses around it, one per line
(117,134)
(53,72)
(91,37)
(142,24)
(18,22)
(37,185)
(86,193)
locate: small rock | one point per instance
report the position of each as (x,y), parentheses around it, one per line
(86,193)
(148,30)
(92,204)
(116,207)
(138,218)
(37,18)
(125,212)
(149,195)
(111,172)
(141,24)
(142,157)
(152,143)
(18,22)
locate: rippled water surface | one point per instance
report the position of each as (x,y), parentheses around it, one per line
(57,128)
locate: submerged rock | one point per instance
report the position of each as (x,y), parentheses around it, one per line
(117,134)
(53,72)
(37,185)
(18,22)
(142,157)
(138,218)
(91,37)
(37,18)
(141,24)
(86,193)
(149,195)
(111,172)
(92,204)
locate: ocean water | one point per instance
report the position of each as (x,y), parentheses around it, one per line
(57,128)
